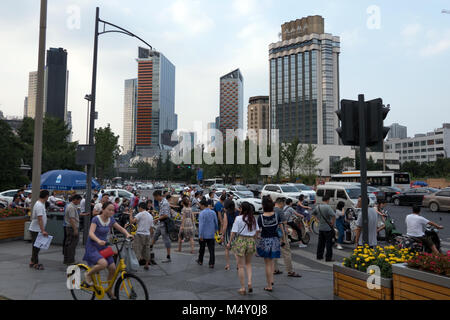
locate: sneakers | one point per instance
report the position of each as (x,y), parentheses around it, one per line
(339,247)
(301,245)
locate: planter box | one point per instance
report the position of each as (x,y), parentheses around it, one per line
(351,284)
(12,227)
(414,284)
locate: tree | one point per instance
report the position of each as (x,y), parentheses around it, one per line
(291,153)
(107,150)
(309,161)
(11,150)
(57,151)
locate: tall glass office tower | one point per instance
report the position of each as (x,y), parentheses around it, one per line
(304,82)
(155,99)
(129,115)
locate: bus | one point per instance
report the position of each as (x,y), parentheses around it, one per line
(209,182)
(399,180)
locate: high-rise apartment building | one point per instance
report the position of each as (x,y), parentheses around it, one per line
(25,107)
(155,99)
(398,132)
(304,82)
(57,80)
(231,101)
(258,114)
(129,115)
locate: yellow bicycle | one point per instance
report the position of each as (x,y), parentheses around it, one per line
(127,285)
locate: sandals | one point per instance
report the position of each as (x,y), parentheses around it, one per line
(250,289)
(294,274)
(242,292)
(31,265)
(227,267)
(267,289)
(277,272)
(38,266)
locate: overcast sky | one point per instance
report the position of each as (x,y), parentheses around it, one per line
(401,55)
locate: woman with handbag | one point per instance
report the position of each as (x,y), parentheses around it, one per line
(269,246)
(97,253)
(242,243)
(187,228)
(228,220)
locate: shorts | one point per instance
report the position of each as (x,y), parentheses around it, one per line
(141,246)
(162,231)
(244,246)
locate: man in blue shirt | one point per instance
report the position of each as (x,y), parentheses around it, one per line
(207,227)
(218,208)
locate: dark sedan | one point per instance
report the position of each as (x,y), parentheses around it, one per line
(412,196)
(389,192)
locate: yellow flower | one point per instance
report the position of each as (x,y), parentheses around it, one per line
(356,266)
(357,259)
(343,263)
(372,271)
(387,260)
(367,260)
(363,264)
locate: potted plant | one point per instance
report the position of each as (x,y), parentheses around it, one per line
(424,277)
(352,279)
(12,221)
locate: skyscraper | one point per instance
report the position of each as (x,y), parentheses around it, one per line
(25,107)
(155,99)
(32,95)
(129,115)
(231,101)
(258,113)
(57,79)
(304,82)
(398,132)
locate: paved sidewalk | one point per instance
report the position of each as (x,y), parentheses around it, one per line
(182,279)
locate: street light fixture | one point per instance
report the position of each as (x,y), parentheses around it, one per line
(91,98)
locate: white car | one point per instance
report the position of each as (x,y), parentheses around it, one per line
(242,190)
(219,188)
(119,193)
(8,196)
(276,191)
(308,192)
(239,198)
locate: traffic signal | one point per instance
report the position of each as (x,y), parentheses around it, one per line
(349,117)
(376,113)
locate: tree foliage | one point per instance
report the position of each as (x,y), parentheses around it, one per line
(438,169)
(107,150)
(57,151)
(11,149)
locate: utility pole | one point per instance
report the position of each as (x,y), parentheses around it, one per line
(363,166)
(39,115)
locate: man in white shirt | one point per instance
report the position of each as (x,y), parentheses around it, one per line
(415,225)
(52,199)
(38,224)
(98,207)
(144,233)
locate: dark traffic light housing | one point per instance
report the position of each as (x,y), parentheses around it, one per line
(348,115)
(375,113)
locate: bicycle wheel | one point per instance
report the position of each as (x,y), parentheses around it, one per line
(315,226)
(130,288)
(306,238)
(82,293)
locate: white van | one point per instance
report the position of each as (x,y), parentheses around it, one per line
(346,192)
(276,191)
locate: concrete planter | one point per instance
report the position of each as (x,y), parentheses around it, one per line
(414,284)
(12,227)
(351,284)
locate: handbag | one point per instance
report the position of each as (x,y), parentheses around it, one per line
(106,253)
(131,261)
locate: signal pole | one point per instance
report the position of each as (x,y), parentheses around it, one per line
(363,166)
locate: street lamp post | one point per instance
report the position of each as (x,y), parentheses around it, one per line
(90,167)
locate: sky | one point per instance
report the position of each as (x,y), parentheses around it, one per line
(396,50)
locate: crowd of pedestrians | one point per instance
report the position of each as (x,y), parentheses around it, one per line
(215,218)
